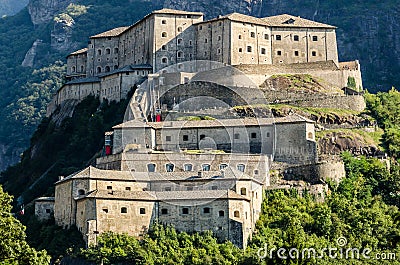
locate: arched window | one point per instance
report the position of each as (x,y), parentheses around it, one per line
(108,51)
(164,47)
(73,69)
(164,60)
(81,192)
(98,52)
(164,34)
(206,167)
(180,41)
(243,191)
(310,135)
(223,166)
(82,68)
(179,29)
(221,213)
(180,54)
(107,69)
(99,70)
(115,50)
(188,167)
(241,167)
(169,167)
(151,167)
(236,214)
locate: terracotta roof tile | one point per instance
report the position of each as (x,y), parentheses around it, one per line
(286,20)
(110,33)
(84,50)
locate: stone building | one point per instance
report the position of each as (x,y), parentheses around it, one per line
(169,37)
(44,208)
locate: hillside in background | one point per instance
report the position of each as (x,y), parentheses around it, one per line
(11,7)
(50,29)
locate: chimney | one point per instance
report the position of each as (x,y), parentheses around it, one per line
(60,178)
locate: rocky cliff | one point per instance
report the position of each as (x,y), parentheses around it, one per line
(11,7)
(43,11)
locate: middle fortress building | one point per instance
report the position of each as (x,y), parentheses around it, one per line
(196,175)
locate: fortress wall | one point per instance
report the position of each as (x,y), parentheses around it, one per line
(355,102)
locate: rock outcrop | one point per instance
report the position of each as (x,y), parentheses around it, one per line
(43,11)
(30,56)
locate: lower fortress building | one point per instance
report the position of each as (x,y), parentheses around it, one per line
(205,174)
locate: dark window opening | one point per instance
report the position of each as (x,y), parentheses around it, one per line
(47,210)
(142,211)
(253,135)
(164,211)
(151,167)
(315,38)
(296,37)
(169,167)
(206,210)
(221,213)
(278,37)
(202,136)
(185,210)
(124,210)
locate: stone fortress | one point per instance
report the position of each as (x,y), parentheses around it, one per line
(195,175)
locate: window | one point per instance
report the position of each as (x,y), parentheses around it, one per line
(179,29)
(82,68)
(243,191)
(241,167)
(164,34)
(189,188)
(169,167)
(249,49)
(164,47)
(109,187)
(237,136)
(252,34)
(98,52)
(236,214)
(73,69)
(219,51)
(164,211)
(296,37)
(279,53)
(190,42)
(168,138)
(81,192)
(108,51)
(223,166)
(278,37)
(266,36)
(185,138)
(180,54)
(164,60)
(151,167)
(263,51)
(255,171)
(221,213)
(310,135)
(214,187)
(201,27)
(314,38)
(124,210)
(219,37)
(163,22)
(107,69)
(142,211)
(202,136)
(47,210)
(188,167)
(205,40)
(105,210)
(128,188)
(296,53)
(167,189)
(314,53)
(206,210)
(253,135)
(180,41)
(185,210)
(240,37)
(99,70)
(206,167)
(115,50)
(240,50)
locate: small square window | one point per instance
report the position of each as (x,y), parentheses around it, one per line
(202,137)
(164,211)
(296,37)
(206,210)
(167,188)
(142,211)
(189,188)
(237,136)
(268,134)
(185,210)
(315,38)
(263,51)
(168,138)
(249,49)
(214,187)
(296,53)
(278,37)
(252,34)
(221,213)
(124,210)
(240,37)
(163,22)
(47,210)
(240,50)
(253,135)
(128,188)
(314,53)
(266,36)
(279,53)
(105,210)
(109,187)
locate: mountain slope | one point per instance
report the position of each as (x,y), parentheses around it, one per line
(11,7)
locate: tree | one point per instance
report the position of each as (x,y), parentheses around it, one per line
(13,247)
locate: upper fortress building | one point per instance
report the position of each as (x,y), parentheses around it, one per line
(115,60)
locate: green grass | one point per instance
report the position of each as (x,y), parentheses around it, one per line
(370,138)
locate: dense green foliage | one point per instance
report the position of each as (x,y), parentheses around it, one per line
(385,108)
(62,150)
(14,249)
